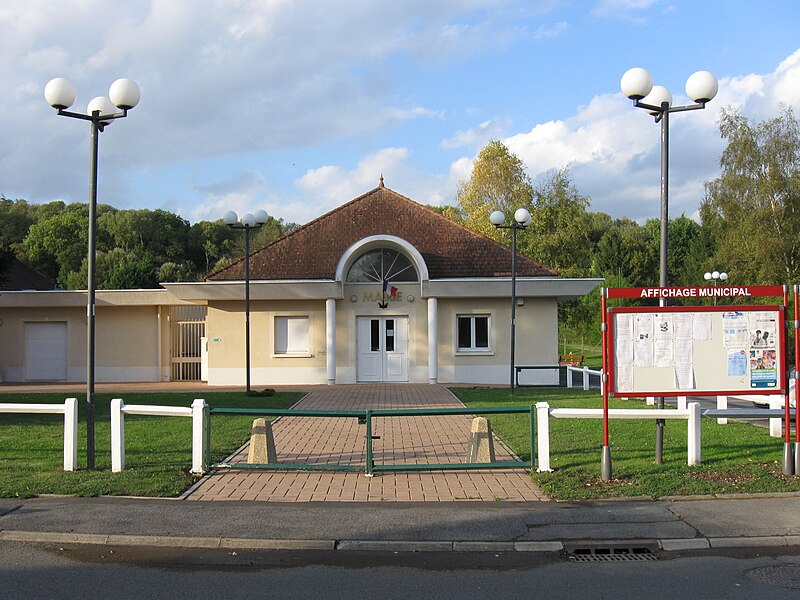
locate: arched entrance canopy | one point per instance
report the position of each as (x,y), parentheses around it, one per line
(380,257)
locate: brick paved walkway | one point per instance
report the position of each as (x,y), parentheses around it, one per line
(439,440)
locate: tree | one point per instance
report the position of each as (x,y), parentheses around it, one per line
(57,245)
(116,269)
(16,217)
(752,210)
(560,234)
(498,182)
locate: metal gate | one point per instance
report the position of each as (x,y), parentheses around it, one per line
(187,325)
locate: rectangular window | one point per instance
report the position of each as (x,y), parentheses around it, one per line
(375,335)
(473,332)
(291,335)
(390,335)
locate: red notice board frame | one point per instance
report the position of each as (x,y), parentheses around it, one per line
(691,293)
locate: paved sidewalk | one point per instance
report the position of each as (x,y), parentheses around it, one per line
(413,440)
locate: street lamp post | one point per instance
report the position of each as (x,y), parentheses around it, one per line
(522,218)
(248,222)
(716,276)
(637,84)
(123,95)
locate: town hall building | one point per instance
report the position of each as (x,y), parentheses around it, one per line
(381,289)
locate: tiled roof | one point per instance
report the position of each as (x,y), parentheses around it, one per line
(20,276)
(450,250)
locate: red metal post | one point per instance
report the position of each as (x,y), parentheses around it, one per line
(796,365)
(604,332)
(785,367)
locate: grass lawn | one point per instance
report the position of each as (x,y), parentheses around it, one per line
(158,450)
(737,458)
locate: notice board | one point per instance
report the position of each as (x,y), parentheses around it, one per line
(678,351)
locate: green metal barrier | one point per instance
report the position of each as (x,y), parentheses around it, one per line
(365,417)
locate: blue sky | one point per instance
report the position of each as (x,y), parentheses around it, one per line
(298,107)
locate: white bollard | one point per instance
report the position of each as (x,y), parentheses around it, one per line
(776,424)
(585,379)
(681,402)
(569,376)
(198,439)
(117,436)
(694,435)
(650,400)
(70,434)
(722,404)
(543,436)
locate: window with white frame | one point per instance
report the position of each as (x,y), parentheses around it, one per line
(291,335)
(473,333)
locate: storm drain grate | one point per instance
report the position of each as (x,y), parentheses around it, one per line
(619,552)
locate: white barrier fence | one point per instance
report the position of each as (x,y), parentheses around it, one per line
(585,372)
(119,409)
(70,411)
(544,413)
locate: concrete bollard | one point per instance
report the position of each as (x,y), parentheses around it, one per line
(481,444)
(262,444)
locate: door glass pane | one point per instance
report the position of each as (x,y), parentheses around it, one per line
(481,332)
(375,335)
(464,332)
(390,335)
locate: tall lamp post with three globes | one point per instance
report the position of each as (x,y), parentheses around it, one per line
(248,222)
(123,95)
(522,218)
(637,84)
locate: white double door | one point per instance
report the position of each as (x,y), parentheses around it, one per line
(382,344)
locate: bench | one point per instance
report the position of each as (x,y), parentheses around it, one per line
(572,359)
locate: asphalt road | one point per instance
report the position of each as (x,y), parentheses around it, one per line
(81,572)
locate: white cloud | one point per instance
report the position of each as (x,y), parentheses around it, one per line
(330,186)
(239,193)
(547,32)
(614,154)
(629,10)
(232,77)
(477,136)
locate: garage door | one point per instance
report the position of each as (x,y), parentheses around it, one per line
(46,351)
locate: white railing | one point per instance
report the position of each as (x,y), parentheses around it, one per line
(119,409)
(544,412)
(586,372)
(70,411)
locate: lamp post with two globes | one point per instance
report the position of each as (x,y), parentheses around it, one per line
(637,84)
(522,218)
(123,95)
(248,222)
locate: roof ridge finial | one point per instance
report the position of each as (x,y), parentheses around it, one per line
(380,184)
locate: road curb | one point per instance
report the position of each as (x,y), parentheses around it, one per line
(666,545)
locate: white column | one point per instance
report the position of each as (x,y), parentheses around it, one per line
(722,404)
(433,340)
(330,338)
(650,400)
(70,434)
(693,434)
(198,439)
(585,379)
(682,402)
(543,436)
(117,436)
